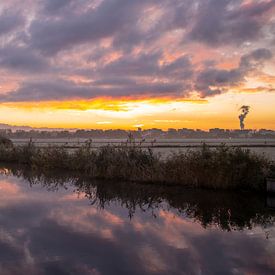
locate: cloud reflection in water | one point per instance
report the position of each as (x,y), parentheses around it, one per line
(55,224)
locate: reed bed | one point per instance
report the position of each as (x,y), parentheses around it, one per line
(216,168)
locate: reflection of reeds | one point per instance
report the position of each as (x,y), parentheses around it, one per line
(220,168)
(229,210)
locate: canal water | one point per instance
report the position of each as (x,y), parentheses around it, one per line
(57,224)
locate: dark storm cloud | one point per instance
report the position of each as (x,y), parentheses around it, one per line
(115,81)
(177,15)
(52,36)
(21,59)
(58,89)
(141,65)
(212,22)
(116,19)
(132,75)
(128,76)
(149,65)
(53,89)
(53,6)
(149,47)
(225,22)
(258,56)
(181,68)
(218,79)
(213,81)
(9,21)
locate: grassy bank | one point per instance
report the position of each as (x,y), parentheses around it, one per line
(220,168)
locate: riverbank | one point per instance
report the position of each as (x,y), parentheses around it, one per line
(215,168)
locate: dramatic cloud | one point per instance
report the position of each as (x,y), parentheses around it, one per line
(58,89)
(53,6)
(214,81)
(21,59)
(226,21)
(10,21)
(51,36)
(257,57)
(178,48)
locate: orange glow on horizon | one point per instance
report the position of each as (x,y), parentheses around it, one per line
(129,113)
(103,103)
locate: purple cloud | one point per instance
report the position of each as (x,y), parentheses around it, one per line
(227,22)
(10,21)
(132,47)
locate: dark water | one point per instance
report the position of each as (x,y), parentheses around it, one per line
(55,224)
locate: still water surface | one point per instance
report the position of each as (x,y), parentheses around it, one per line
(55,224)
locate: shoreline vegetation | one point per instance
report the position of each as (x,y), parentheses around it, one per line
(222,167)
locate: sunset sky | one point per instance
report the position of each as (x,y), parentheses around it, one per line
(137,63)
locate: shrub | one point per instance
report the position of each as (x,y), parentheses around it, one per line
(5,142)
